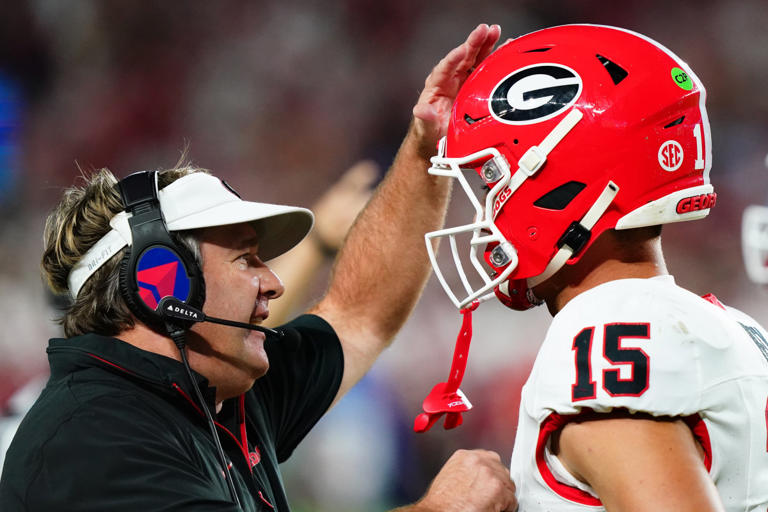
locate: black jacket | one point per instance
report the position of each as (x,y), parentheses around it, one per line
(117,429)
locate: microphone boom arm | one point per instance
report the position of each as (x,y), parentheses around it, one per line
(172,308)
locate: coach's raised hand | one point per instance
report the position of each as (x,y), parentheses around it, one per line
(385,249)
(388,235)
(433,109)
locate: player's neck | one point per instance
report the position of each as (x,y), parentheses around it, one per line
(610,270)
(607,260)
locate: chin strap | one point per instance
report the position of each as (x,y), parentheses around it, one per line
(577,235)
(446,397)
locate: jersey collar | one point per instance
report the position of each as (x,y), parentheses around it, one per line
(70,355)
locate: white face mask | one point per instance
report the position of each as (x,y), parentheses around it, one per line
(483,230)
(496,171)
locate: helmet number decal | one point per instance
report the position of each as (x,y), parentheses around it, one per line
(699,164)
(534,94)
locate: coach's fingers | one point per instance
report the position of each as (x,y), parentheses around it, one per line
(490,41)
(471,481)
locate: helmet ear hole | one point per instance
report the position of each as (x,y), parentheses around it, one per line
(560,197)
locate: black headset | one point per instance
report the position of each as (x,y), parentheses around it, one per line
(156,270)
(154,265)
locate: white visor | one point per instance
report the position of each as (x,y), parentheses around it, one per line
(200,200)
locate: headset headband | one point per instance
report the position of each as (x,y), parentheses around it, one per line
(154,265)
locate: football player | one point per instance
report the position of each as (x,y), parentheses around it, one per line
(574,145)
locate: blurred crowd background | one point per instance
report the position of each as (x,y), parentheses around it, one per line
(281,98)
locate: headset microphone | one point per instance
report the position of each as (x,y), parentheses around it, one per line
(172,308)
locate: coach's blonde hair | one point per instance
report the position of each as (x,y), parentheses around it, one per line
(74,226)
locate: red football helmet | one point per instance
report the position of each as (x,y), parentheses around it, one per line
(574,130)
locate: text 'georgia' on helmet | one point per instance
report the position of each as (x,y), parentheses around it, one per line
(571,130)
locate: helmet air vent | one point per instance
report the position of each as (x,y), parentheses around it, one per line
(617,72)
(675,122)
(470,120)
(560,197)
(538,50)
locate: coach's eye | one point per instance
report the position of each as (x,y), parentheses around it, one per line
(242,261)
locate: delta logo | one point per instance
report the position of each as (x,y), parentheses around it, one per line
(160,273)
(696,203)
(193,315)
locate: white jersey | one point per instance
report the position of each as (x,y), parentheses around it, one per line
(648,345)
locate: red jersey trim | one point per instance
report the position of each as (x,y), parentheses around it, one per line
(701,434)
(550,425)
(265,500)
(555,422)
(187,398)
(241,421)
(714,300)
(243,449)
(251,458)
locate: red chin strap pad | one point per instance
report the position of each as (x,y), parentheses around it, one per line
(446,397)
(518,298)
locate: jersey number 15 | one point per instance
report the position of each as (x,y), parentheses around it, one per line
(584,388)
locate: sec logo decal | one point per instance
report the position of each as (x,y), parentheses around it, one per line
(670,156)
(534,94)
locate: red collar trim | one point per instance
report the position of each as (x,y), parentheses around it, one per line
(110,363)
(241,443)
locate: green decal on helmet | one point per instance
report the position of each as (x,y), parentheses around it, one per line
(682,79)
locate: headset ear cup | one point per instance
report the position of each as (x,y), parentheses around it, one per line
(131,290)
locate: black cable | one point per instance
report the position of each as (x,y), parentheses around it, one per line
(177,335)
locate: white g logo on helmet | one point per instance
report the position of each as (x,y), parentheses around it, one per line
(534,93)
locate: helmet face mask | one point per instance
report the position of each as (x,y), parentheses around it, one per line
(581,129)
(494,169)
